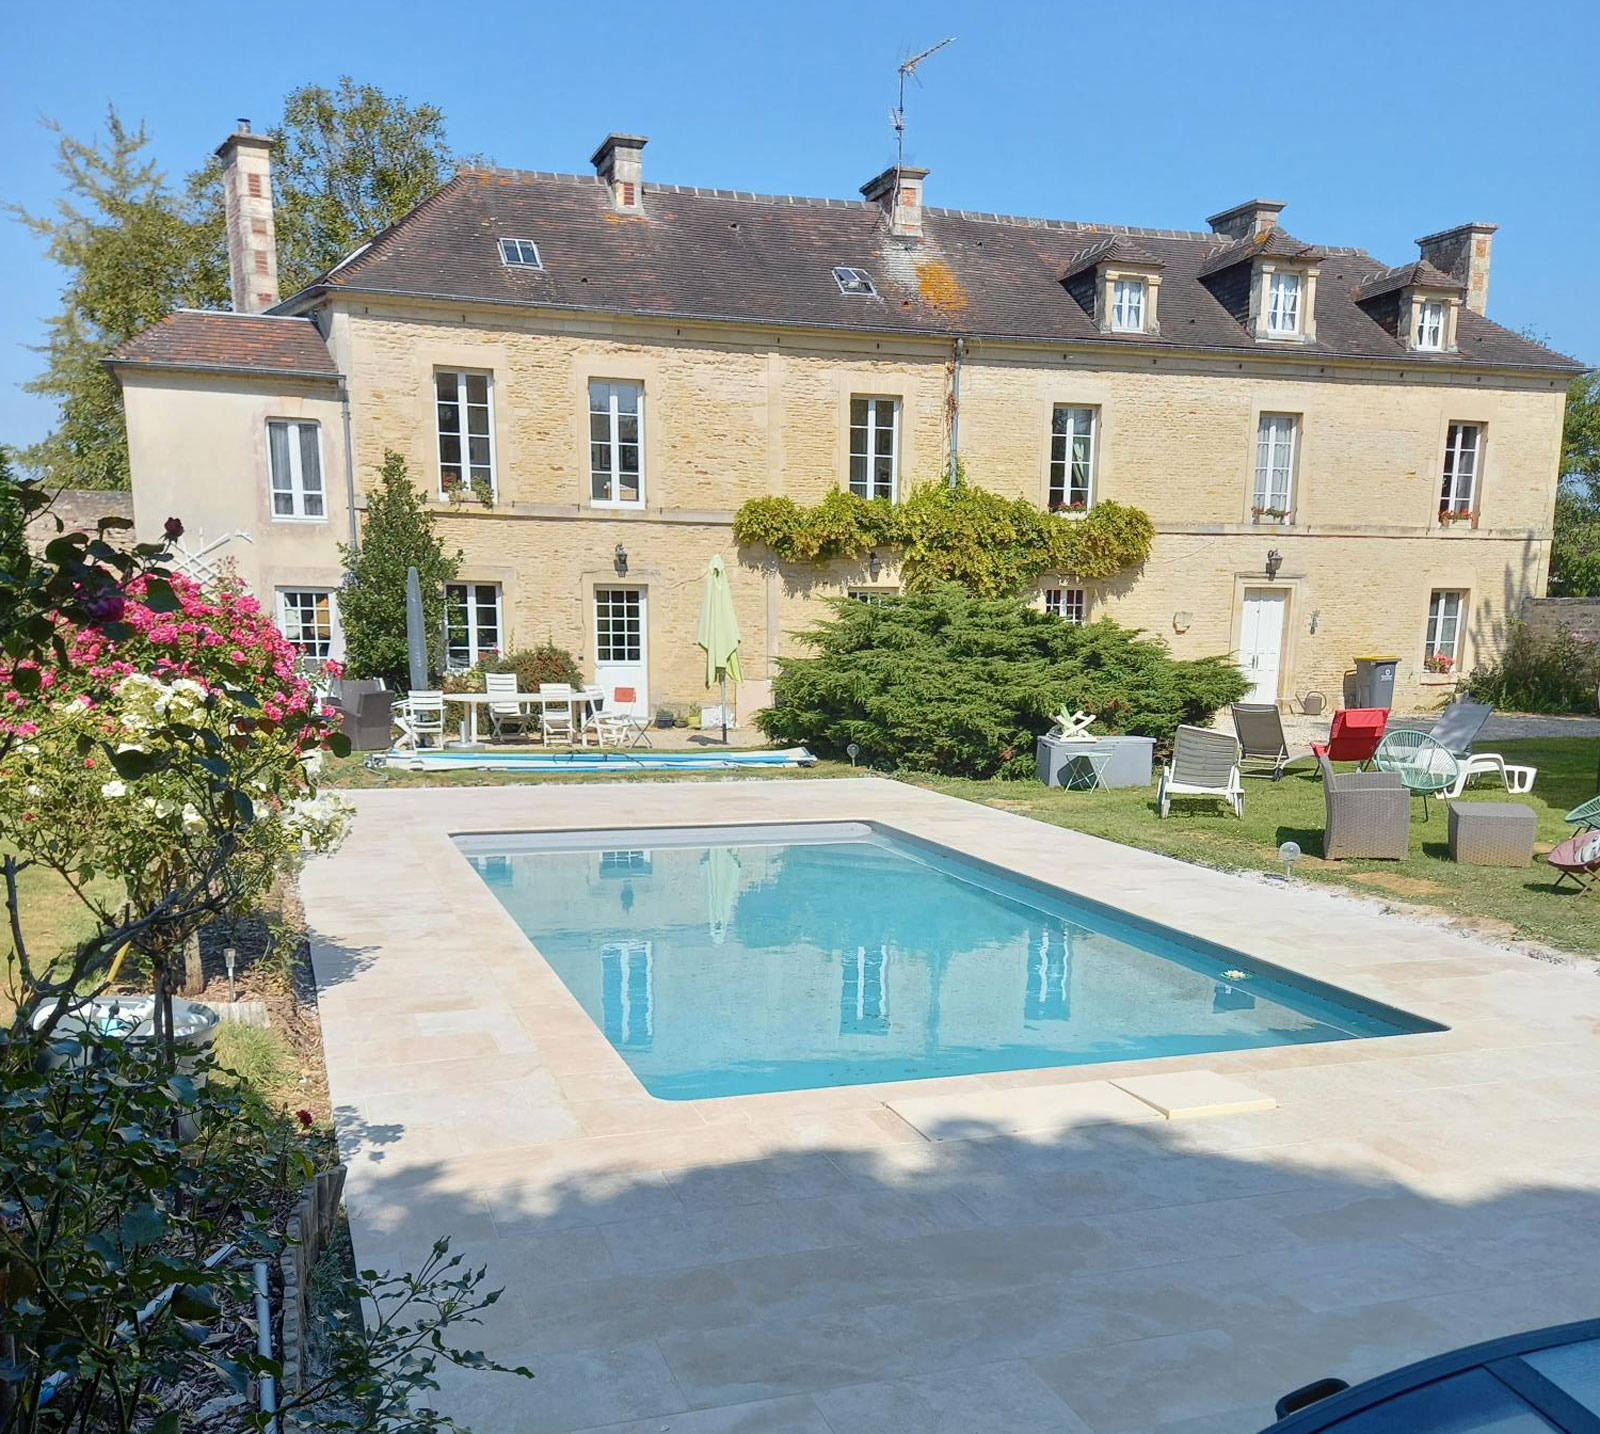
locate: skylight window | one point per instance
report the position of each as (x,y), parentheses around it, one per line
(854,281)
(520,254)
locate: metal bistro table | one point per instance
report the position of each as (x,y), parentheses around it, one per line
(473,701)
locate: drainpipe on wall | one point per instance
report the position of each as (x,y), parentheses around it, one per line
(349,468)
(960,349)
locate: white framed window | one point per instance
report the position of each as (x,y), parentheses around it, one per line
(305,617)
(520,254)
(1071,605)
(294,454)
(1283,303)
(1127,306)
(1442,642)
(616,443)
(618,626)
(465,404)
(1463,453)
(1272,500)
(472,624)
(854,281)
(873,595)
(1072,456)
(874,447)
(628,862)
(1430,325)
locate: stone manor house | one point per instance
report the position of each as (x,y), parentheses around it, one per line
(1340,457)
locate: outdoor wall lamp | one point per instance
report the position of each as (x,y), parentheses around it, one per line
(874,566)
(1316,617)
(619,560)
(1274,562)
(1181,621)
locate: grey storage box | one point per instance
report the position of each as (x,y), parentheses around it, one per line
(1492,833)
(1129,761)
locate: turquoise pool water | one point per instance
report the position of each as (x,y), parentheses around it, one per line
(731,961)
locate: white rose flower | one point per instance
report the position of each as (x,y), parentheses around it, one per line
(113,789)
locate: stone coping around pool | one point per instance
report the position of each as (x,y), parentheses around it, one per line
(653,1248)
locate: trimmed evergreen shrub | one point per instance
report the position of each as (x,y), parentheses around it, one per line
(943,681)
(1558,673)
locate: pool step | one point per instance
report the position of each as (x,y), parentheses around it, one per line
(1049,1109)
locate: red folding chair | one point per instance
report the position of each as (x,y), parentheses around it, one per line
(1355,735)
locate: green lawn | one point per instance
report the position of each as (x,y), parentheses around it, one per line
(1506,901)
(53,921)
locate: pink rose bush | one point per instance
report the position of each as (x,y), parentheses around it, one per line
(172,749)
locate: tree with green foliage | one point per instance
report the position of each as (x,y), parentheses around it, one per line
(131,256)
(348,163)
(397,533)
(1575,553)
(943,680)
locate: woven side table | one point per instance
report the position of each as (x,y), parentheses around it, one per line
(1492,833)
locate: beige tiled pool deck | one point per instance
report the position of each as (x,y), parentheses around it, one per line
(816,1262)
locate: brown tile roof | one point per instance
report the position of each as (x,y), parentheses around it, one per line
(767,259)
(248,343)
(1109,251)
(1270,244)
(1420,274)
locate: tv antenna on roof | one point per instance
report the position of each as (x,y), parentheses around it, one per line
(897,116)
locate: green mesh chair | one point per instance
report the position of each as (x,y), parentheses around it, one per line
(1585,816)
(1427,768)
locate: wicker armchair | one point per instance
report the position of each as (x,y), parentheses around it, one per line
(1369,814)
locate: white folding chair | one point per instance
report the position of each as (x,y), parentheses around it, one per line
(420,719)
(556,721)
(591,702)
(619,728)
(504,717)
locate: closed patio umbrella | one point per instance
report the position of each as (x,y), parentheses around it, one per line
(719,635)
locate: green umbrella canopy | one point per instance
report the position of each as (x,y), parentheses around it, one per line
(719,627)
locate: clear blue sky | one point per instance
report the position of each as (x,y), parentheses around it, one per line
(1376,122)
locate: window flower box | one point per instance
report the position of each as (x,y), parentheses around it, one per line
(1076,506)
(1264,514)
(1441,664)
(1449,517)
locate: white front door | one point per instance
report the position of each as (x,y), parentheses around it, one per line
(1261,641)
(620,658)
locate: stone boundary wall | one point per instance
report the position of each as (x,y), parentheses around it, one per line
(309,1230)
(1548,616)
(82,508)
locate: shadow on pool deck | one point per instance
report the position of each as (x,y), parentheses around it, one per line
(1171,1278)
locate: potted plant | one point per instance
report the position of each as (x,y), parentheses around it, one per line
(453,490)
(1077,505)
(483,492)
(1439,662)
(1265,513)
(1449,516)
(665,718)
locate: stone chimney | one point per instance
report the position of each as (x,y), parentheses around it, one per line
(1463,253)
(618,162)
(1245,221)
(247,200)
(898,192)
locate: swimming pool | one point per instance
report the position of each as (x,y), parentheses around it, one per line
(733,960)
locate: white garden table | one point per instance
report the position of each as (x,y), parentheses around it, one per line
(475,701)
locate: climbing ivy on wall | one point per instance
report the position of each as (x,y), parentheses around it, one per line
(992,546)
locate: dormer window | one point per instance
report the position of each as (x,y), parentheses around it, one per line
(520,254)
(854,281)
(1430,325)
(1283,303)
(1127,306)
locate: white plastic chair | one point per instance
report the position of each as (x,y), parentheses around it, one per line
(556,721)
(619,728)
(591,701)
(504,717)
(420,718)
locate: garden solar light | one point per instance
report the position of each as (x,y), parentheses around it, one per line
(229,957)
(1289,854)
(854,752)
